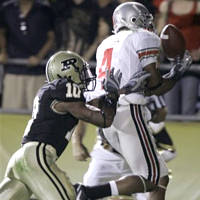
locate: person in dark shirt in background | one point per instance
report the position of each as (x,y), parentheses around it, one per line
(80,27)
(83,28)
(148,3)
(105,9)
(26,32)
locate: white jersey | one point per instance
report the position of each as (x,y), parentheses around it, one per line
(115,51)
(129,134)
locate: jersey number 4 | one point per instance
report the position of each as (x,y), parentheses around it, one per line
(106,63)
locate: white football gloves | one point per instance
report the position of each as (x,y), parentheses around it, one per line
(179,66)
(135,84)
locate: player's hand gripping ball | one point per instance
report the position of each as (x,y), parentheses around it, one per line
(173,42)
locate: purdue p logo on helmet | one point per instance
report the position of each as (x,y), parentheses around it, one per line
(69,65)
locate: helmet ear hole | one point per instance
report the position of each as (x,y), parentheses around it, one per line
(133,19)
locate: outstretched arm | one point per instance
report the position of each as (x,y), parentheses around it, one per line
(158,84)
(111,83)
(102,118)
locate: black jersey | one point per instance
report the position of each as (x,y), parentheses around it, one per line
(46,124)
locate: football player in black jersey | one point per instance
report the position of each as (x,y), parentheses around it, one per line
(58,106)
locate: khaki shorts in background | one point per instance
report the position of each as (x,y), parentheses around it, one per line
(20,90)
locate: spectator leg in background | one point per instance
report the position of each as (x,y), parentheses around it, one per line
(189,95)
(34,82)
(14,92)
(173,99)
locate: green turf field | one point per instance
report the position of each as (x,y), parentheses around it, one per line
(185,184)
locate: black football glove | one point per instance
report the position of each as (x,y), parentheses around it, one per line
(179,67)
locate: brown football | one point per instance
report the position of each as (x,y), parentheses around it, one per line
(172,41)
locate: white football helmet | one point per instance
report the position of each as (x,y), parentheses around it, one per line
(132,15)
(69,65)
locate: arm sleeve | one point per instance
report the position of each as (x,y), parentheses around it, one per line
(147,47)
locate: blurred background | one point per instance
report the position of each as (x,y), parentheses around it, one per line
(32,30)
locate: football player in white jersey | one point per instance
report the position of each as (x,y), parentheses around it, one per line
(130,49)
(107,164)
